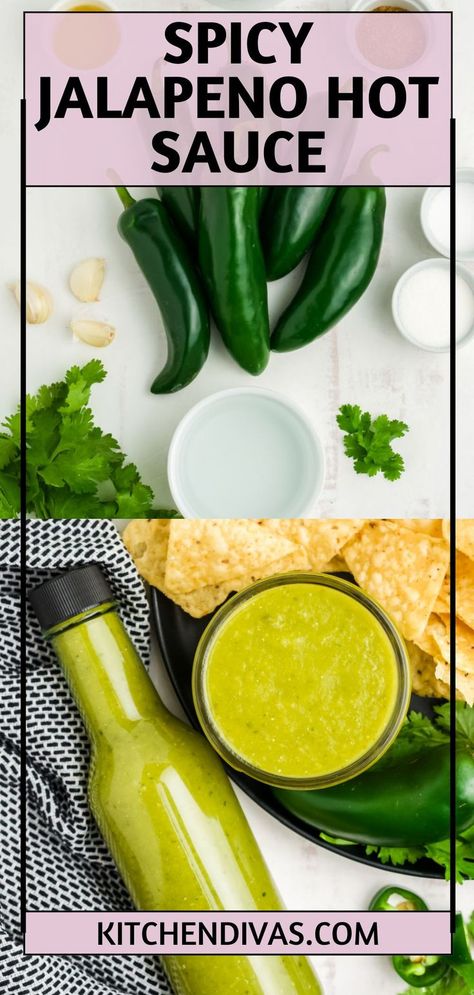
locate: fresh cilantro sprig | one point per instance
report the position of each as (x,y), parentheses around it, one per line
(73,468)
(367,441)
(450,984)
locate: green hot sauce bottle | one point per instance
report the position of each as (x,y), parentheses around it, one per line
(159,794)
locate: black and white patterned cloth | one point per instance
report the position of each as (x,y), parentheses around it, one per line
(68,866)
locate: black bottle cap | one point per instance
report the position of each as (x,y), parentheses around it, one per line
(69,594)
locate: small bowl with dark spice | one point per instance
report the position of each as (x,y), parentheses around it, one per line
(400,7)
(397,42)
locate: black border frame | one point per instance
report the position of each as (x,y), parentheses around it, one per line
(23,469)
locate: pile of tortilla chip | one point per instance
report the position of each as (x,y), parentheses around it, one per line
(401,563)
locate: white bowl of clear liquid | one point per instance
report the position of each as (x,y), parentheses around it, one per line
(245,453)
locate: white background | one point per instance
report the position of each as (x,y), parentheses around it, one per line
(365,361)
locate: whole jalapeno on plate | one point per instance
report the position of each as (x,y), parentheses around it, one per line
(397,900)
(290,220)
(422,971)
(341,265)
(167,266)
(232,267)
(183,206)
(406,804)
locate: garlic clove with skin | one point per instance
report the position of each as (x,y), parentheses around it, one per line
(87,278)
(96,333)
(39,302)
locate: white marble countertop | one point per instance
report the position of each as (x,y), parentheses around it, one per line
(364,360)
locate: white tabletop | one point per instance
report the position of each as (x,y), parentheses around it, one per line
(364,361)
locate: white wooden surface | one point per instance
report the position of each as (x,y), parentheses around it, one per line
(365,361)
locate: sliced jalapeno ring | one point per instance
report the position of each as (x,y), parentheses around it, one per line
(397,900)
(421,971)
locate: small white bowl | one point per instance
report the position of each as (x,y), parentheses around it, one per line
(428,264)
(69,5)
(245,453)
(420,6)
(463,175)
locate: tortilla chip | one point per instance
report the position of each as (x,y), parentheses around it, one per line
(210,552)
(446,529)
(429,526)
(427,641)
(465,589)
(464,682)
(464,645)
(465,536)
(322,538)
(204,600)
(403,570)
(147,543)
(443,601)
(336,565)
(422,667)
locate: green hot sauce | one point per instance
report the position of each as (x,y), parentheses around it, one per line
(301,680)
(160,795)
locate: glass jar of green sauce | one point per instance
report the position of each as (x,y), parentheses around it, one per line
(301,681)
(159,794)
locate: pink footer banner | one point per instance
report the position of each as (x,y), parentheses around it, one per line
(237,933)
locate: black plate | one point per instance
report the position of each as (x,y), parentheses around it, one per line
(178,635)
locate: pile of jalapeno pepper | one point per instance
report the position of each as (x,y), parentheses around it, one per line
(212,250)
(425,970)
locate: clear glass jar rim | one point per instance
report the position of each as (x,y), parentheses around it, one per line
(238,762)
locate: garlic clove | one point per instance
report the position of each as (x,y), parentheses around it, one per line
(96,333)
(39,303)
(87,278)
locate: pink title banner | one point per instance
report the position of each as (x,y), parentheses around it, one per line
(238,933)
(237,98)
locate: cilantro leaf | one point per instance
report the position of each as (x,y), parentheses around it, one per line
(10,491)
(368,441)
(393,467)
(74,469)
(397,855)
(349,417)
(450,984)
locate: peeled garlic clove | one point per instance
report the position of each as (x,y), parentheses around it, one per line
(39,303)
(96,333)
(87,278)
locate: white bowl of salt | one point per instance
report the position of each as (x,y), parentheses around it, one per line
(421,305)
(436,216)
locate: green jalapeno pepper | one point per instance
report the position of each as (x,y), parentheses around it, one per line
(340,268)
(461,958)
(461,949)
(166,264)
(233,269)
(404,805)
(420,972)
(397,900)
(183,206)
(290,220)
(264,195)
